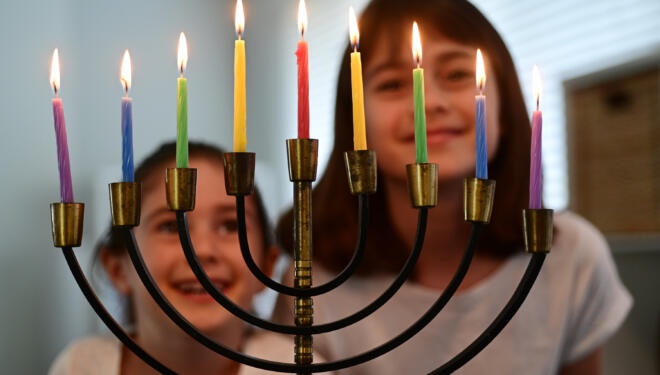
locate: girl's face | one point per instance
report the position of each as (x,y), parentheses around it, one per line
(450,89)
(213,228)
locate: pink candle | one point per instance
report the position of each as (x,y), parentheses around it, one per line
(303,75)
(66,187)
(535,168)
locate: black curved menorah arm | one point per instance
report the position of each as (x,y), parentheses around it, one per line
(202,276)
(502,319)
(430,314)
(345,274)
(187,327)
(105,316)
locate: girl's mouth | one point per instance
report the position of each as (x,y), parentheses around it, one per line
(193,290)
(438,136)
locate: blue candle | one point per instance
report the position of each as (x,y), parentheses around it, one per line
(127,122)
(127,139)
(480,117)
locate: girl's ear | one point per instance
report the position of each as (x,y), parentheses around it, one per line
(115,268)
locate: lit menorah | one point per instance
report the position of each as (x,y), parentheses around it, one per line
(67,222)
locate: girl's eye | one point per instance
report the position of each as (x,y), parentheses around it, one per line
(392,85)
(167,227)
(228,227)
(458,75)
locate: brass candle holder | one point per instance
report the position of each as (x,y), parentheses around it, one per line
(361,170)
(180,188)
(125,203)
(239,173)
(423,185)
(537,224)
(67,224)
(478,196)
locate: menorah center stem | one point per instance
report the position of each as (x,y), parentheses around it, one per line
(304,311)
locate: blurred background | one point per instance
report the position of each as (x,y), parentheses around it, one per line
(600,61)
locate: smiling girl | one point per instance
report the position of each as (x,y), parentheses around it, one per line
(578,301)
(213,228)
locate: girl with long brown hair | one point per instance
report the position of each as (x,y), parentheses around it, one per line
(578,300)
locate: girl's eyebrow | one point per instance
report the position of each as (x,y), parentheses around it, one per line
(443,57)
(389,65)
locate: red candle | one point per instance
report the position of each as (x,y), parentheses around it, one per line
(303,74)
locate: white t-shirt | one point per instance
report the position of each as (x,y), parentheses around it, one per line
(101,355)
(577,303)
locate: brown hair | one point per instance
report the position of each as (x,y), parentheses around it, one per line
(334,212)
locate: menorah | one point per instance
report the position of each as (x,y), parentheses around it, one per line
(125,198)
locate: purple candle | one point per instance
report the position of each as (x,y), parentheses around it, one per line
(127,167)
(66,187)
(535,166)
(480,119)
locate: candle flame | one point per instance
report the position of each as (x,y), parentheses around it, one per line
(125,75)
(417,45)
(537,85)
(55,71)
(481,71)
(353,28)
(240,19)
(302,17)
(182,59)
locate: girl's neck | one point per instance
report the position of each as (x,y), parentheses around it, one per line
(446,232)
(446,236)
(182,353)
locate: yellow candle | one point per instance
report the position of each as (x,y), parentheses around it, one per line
(359,129)
(240,115)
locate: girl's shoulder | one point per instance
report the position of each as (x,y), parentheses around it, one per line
(572,231)
(92,355)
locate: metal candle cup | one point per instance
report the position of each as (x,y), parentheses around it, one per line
(303,158)
(478,196)
(181,184)
(423,184)
(67,224)
(538,229)
(125,203)
(361,171)
(239,173)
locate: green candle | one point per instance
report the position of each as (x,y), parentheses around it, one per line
(421,150)
(182,107)
(182,124)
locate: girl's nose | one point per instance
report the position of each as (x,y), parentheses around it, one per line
(206,247)
(437,98)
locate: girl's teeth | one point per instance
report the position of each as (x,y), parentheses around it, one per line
(196,288)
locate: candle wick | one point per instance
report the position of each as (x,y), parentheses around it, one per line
(537,103)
